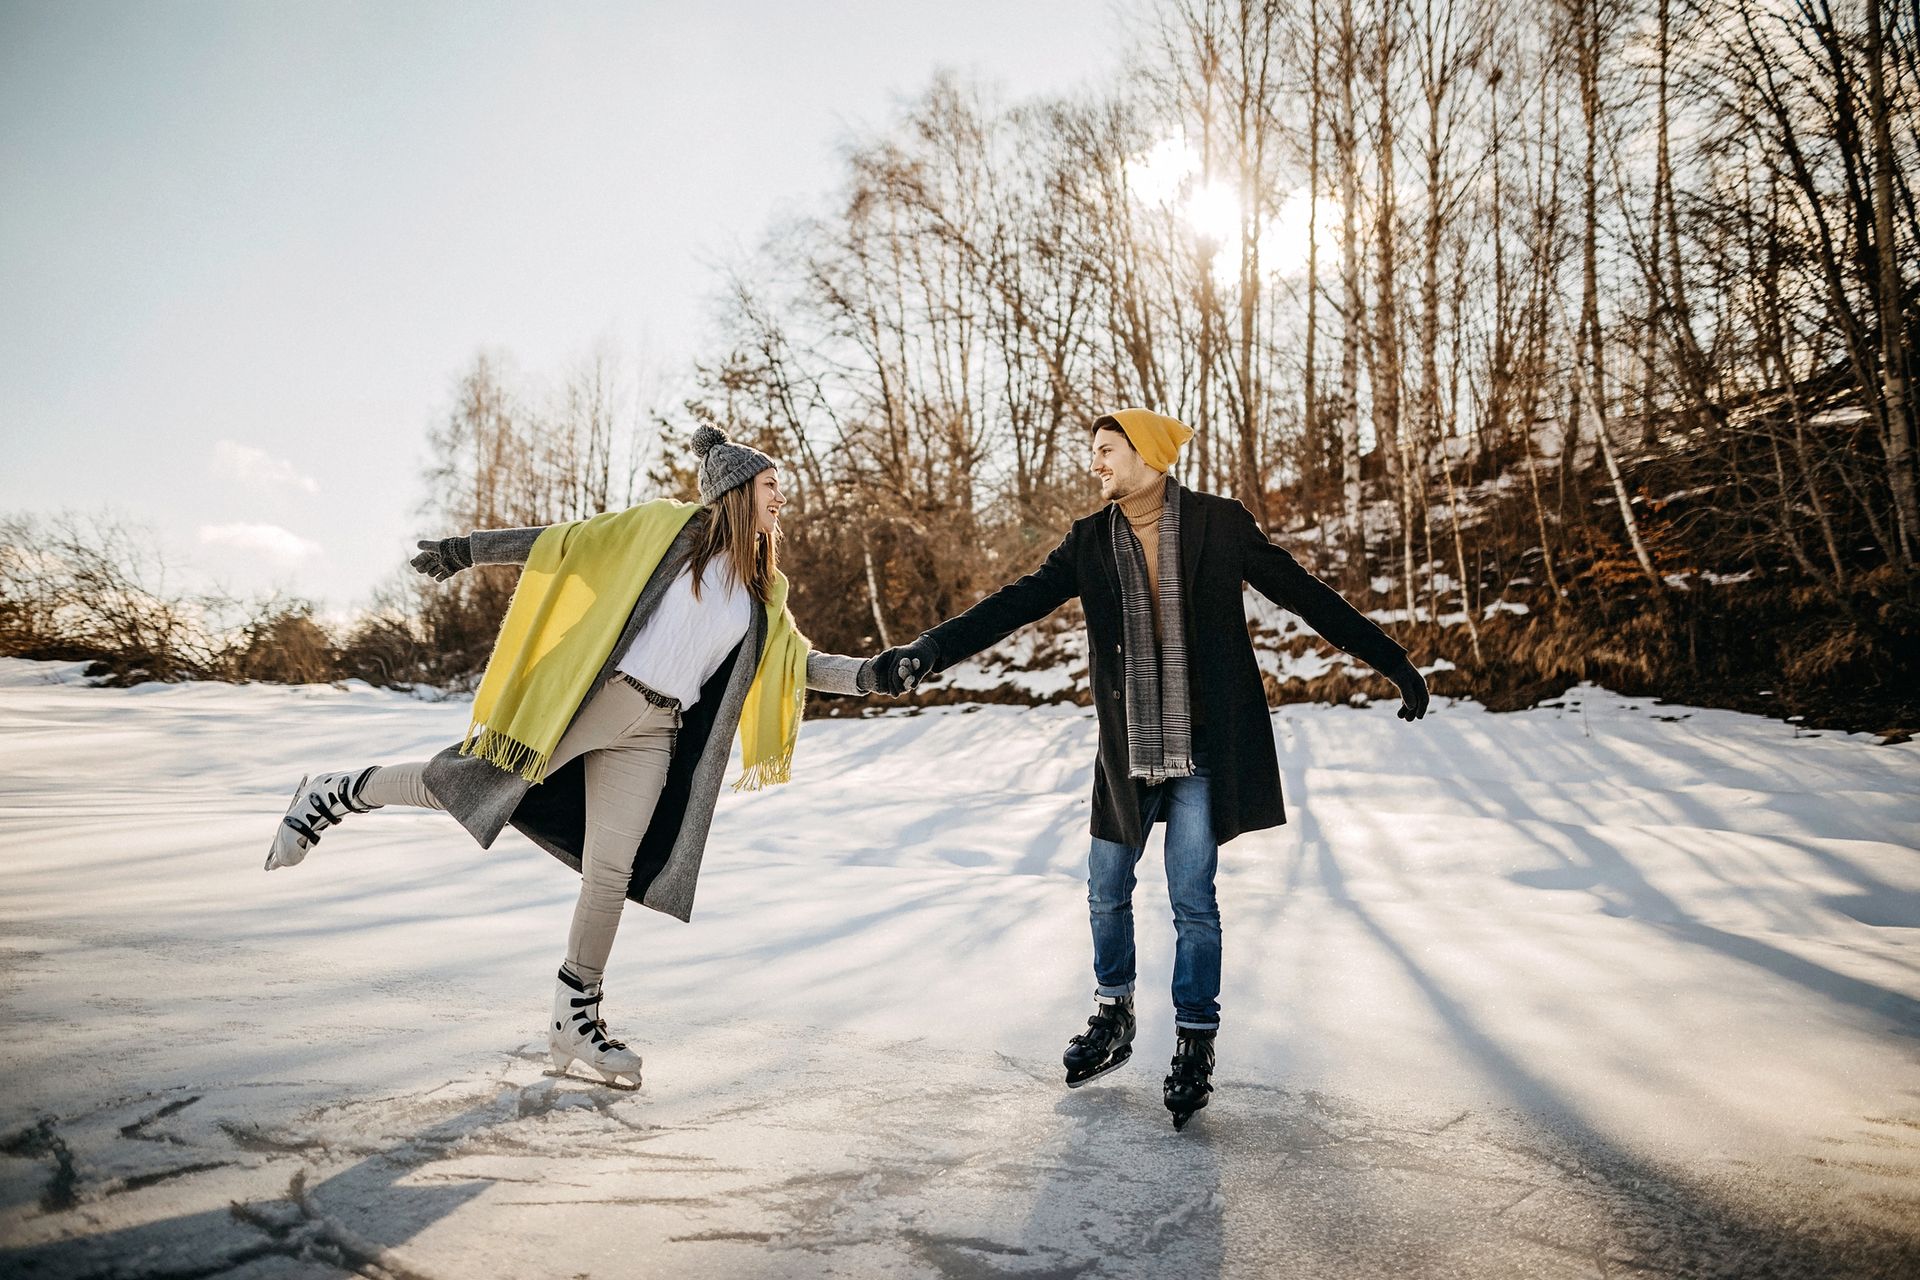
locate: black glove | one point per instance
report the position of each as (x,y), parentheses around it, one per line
(899,669)
(441,558)
(1413,690)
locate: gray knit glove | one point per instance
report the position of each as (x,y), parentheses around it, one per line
(441,558)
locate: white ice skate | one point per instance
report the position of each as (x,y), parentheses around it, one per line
(575,1033)
(318,803)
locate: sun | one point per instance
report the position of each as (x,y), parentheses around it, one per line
(1212,209)
(1170,175)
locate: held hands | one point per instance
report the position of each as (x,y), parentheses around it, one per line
(1413,690)
(441,558)
(900,668)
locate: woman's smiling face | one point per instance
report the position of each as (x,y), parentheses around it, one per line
(767,500)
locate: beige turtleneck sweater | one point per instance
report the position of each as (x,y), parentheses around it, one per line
(1142,509)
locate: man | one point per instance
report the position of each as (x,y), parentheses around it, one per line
(1184,732)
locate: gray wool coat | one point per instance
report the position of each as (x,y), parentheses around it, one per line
(486,799)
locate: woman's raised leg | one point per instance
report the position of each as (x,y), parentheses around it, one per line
(400,784)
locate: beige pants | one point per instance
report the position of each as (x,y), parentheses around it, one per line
(627,742)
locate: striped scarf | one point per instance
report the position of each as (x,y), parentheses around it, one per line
(1159,717)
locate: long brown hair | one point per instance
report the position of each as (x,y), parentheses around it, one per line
(732,531)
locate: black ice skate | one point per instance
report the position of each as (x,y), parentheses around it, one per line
(1191,1079)
(1105,1044)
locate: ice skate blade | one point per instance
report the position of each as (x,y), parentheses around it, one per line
(1114,1063)
(297,793)
(1180,1117)
(563,1061)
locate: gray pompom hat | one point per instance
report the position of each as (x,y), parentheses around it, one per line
(723,463)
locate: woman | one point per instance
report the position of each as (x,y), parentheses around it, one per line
(636,643)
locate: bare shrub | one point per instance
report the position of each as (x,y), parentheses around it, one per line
(93,587)
(282,644)
(385,645)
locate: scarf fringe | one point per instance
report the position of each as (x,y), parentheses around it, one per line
(771,773)
(1182,768)
(503,752)
(768,773)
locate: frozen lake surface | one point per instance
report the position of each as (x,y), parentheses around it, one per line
(1602,988)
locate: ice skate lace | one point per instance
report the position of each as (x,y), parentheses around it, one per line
(1101,1028)
(594,1028)
(320,815)
(1191,1063)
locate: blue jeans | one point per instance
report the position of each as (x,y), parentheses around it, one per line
(1192,857)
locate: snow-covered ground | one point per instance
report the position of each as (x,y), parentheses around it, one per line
(1597,988)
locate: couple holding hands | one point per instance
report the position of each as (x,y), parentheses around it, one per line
(639,642)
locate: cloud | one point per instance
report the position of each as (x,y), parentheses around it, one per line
(279,545)
(250,466)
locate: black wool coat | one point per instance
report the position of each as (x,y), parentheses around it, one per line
(1221,548)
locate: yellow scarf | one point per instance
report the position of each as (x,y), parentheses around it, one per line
(572,602)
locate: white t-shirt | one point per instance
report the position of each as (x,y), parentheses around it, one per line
(686,640)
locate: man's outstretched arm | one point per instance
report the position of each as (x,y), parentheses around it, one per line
(1001,614)
(1280,578)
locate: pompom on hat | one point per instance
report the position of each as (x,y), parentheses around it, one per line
(724,463)
(1154,436)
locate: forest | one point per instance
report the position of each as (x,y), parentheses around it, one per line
(1573,342)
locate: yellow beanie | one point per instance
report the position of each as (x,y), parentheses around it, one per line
(1156,437)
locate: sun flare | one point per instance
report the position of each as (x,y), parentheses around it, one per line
(1285,240)
(1212,209)
(1170,176)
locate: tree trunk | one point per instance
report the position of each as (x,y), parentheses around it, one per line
(1309,391)
(1597,421)
(1386,347)
(1590,346)
(1353,326)
(1893,359)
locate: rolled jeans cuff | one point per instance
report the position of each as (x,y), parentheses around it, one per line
(1194,1024)
(1112,993)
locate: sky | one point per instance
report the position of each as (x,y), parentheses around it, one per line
(246,249)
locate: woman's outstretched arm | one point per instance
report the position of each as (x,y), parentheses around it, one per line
(837,673)
(503,546)
(441,558)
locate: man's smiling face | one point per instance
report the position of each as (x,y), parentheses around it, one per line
(1115,464)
